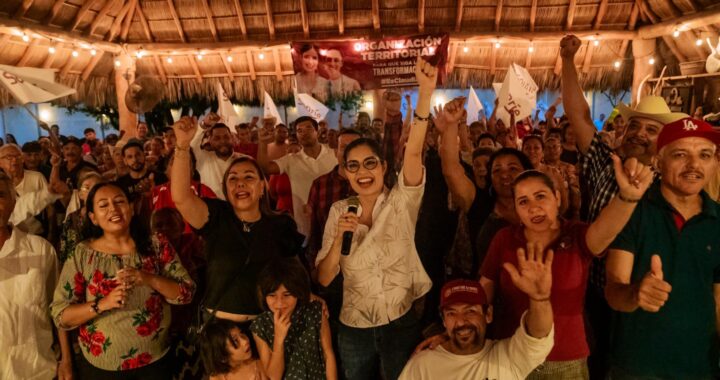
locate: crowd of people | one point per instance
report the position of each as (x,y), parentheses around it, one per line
(404,247)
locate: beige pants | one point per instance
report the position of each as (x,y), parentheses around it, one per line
(570,370)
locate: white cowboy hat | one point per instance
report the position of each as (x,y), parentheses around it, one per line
(651,107)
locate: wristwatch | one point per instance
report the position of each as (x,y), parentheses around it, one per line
(95,307)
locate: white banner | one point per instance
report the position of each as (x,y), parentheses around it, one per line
(518,95)
(474,107)
(308,106)
(225,108)
(30,85)
(269,109)
(497,87)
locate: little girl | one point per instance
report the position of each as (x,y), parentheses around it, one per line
(293,335)
(227,354)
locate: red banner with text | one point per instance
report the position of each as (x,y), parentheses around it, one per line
(328,69)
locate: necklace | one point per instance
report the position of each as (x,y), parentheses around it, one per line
(248,225)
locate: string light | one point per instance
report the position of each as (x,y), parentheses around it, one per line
(651,60)
(75,53)
(531,48)
(617,64)
(698,42)
(25,37)
(139,53)
(199,57)
(497,45)
(169,60)
(229,58)
(261,56)
(51,50)
(676,33)
(117,63)
(465,49)
(596,42)
(93,52)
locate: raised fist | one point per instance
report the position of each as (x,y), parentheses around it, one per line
(569,46)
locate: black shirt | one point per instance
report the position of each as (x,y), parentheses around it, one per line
(72,175)
(235,257)
(130,184)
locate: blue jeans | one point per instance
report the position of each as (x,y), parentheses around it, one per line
(365,350)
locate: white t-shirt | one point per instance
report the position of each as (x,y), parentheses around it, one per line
(34,193)
(507,359)
(211,167)
(302,171)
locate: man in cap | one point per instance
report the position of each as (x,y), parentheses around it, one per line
(466,314)
(663,270)
(644,124)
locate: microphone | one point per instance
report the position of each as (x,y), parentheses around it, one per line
(353,203)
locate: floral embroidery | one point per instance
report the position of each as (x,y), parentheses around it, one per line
(94,341)
(100,285)
(131,361)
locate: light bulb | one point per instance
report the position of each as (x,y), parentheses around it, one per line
(75,53)
(139,53)
(596,42)
(25,38)
(698,42)
(199,57)
(676,33)
(51,50)
(651,61)
(465,49)
(229,58)
(531,48)
(617,64)
(169,59)
(261,56)
(117,63)
(497,45)
(93,52)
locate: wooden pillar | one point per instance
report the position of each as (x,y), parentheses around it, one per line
(378,105)
(642,51)
(124,75)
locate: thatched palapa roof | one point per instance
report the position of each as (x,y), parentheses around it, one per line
(243,44)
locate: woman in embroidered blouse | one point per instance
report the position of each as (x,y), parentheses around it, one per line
(116,287)
(382,274)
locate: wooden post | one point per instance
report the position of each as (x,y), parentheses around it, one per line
(378,105)
(642,50)
(127,119)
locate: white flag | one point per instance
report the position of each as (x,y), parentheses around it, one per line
(308,106)
(474,107)
(269,109)
(225,108)
(518,95)
(497,87)
(30,85)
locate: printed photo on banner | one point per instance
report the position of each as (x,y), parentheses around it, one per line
(332,69)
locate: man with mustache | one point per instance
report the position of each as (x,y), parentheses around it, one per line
(466,314)
(644,124)
(663,270)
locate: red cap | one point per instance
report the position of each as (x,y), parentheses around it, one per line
(462,291)
(687,127)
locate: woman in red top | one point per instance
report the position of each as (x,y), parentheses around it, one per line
(281,192)
(574,244)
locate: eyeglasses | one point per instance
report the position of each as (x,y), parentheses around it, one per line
(334,60)
(11,157)
(369,163)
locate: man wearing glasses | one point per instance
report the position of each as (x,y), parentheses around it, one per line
(340,84)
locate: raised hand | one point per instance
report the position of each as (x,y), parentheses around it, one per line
(569,46)
(185,130)
(425,74)
(449,115)
(633,178)
(533,276)
(265,136)
(211,119)
(653,291)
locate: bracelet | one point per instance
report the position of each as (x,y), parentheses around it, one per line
(182,148)
(540,300)
(95,306)
(627,200)
(420,118)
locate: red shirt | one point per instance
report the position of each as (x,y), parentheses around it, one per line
(281,191)
(248,149)
(570,271)
(162,198)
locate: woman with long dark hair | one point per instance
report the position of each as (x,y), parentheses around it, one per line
(242,235)
(382,271)
(116,288)
(308,79)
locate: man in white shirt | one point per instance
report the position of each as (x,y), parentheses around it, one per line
(466,313)
(303,167)
(28,272)
(212,164)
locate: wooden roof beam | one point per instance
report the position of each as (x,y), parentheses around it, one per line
(452,58)
(570,15)
(176,19)
(196,69)
(128,20)
(493,59)
(528,60)
(26,56)
(54,11)
(674,49)
(270,21)
(115,27)
(211,22)
(602,9)
(498,14)
(160,69)
(226,63)
(305,18)
(278,65)
(68,65)
(533,14)
(692,21)
(251,64)
(100,16)
(589,49)
(698,49)
(459,15)
(421,16)
(241,18)
(341,17)
(87,71)
(376,15)
(50,32)
(144,22)
(81,13)
(22,9)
